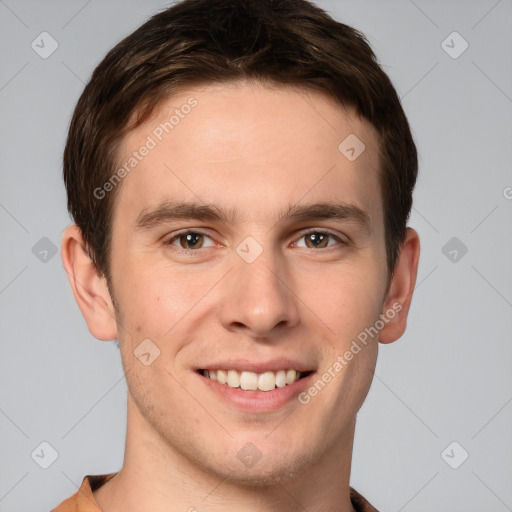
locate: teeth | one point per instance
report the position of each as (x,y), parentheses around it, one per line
(291,376)
(222,376)
(233,379)
(266,381)
(281,379)
(248,380)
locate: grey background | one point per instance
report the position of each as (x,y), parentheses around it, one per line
(449,377)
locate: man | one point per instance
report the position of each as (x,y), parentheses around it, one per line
(240,174)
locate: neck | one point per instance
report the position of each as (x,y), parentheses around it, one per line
(159,478)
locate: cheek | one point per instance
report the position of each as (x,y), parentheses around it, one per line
(152,302)
(345,300)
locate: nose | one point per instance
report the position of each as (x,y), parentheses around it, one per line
(258,297)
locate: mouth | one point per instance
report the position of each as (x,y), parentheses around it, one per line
(252,381)
(256,386)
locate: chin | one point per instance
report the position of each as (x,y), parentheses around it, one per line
(269,470)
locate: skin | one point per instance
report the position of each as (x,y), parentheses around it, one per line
(255,150)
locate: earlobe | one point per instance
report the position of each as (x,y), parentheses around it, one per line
(399,296)
(89,288)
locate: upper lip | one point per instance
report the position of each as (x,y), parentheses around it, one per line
(272,365)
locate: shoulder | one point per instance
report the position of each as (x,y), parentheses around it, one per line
(83,500)
(360,503)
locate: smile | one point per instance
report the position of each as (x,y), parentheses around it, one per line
(251,381)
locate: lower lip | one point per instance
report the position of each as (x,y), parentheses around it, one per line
(258,401)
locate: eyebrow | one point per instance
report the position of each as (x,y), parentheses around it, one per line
(172,210)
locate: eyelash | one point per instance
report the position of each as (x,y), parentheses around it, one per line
(176,236)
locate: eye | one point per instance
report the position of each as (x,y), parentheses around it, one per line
(319,239)
(189,240)
(193,240)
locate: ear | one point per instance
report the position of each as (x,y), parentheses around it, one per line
(399,295)
(89,288)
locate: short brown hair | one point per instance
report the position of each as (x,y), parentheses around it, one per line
(194,42)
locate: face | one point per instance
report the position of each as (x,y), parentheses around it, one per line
(227,263)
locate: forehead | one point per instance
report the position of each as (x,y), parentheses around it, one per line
(247,146)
